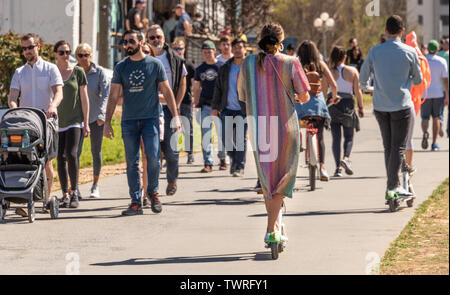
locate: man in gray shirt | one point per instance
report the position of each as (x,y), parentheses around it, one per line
(396,68)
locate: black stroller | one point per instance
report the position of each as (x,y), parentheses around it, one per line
(22,166)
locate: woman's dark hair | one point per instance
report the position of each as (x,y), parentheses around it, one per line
(394,25)
(360,54)
(271,35)
(60,43)
(337,55)
(309,55)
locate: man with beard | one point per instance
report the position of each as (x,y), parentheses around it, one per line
(226,105)
(139,77)
(176,74)
(39,85)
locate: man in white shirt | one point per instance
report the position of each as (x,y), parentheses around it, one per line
(225,49)
(436,95)
(39,84)
(176,74)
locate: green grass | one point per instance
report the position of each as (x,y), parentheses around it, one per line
(367,100)
(423,246)
(113,151)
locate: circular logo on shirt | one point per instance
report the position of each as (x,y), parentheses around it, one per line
(137,79)
(209,75)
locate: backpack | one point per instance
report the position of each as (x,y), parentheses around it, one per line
(314,79)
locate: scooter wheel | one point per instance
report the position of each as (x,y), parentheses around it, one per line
(410,203)
(393,205)
(274,248)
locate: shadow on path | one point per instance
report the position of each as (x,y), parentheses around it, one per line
(337,212)
(260,256)
(227,202)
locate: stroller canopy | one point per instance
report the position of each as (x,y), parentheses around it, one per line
(21,119)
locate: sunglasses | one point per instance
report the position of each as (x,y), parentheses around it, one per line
(84,55)
(131,41)
(155,37)
(64,52)
(146,52)
(178,48)
(31,47)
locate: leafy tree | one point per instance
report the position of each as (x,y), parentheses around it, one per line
(351,20)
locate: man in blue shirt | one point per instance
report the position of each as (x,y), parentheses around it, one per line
(226,102)
(139,77)
(396,68)
(184,26)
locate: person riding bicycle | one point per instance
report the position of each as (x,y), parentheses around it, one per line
(316,107)
(396,67)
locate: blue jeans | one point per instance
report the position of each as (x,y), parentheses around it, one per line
(207,147)
(170,154)
(132,132)
(232,140)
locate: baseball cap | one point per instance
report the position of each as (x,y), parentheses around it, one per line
(140,2)
(433,46)
(208,44)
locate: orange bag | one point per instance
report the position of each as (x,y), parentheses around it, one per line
(418,91)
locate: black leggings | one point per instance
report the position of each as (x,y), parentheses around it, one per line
(336,131)
(67,153)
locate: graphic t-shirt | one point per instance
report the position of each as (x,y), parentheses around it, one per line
(207,74)
(139,80)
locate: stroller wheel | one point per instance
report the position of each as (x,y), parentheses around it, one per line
(3,208)
(54,207)
(31,212)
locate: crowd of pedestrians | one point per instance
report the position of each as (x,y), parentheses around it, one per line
(160,91)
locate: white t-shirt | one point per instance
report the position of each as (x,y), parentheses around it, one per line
(439,71)
(35,83)
(165,62)
(222,59)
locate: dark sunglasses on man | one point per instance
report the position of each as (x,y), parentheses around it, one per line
(155,37)
(31,47)
(131,41)
(86,55)
(64,52)
(178,48)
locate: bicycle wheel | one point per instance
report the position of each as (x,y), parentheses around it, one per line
(312,177)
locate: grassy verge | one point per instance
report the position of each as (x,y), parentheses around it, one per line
(367,100)
(423,246)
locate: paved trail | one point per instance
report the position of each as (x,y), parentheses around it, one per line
(215,224)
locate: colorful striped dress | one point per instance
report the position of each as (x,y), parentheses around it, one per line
(272,119)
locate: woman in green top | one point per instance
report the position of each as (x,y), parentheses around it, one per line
(73,120)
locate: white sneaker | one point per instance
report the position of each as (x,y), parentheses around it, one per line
(95,193)
(324,175)
(402,192)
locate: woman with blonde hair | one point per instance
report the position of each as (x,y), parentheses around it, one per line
(98,91)
(269,84)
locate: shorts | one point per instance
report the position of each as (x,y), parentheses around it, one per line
(432,107)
